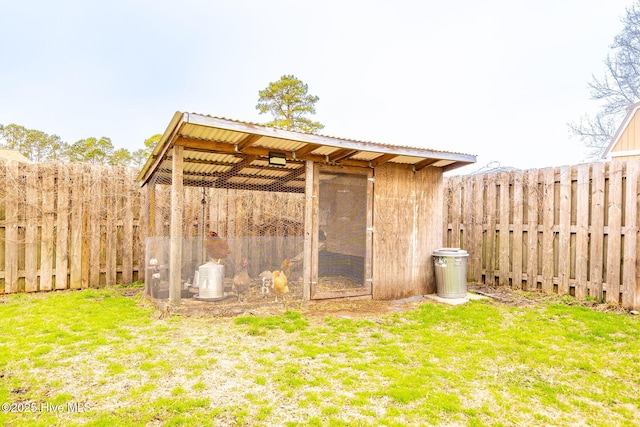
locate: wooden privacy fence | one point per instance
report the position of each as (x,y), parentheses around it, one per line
(68,226)
(73,226)
(566,230)
(569,230)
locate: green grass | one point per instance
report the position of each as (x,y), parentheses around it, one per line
(480,364)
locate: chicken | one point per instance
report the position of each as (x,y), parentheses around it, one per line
(266,277)
(241,280)
(279,284)
(217,249)
(285,267)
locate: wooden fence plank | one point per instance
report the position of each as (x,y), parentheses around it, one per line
(582,231)
(564,233)
(533,203)
(614,227)
(32,211)
(456,212)
(93,188)
(468,236)
(476,204)
(62,227)
(490,233)
(548,192)
(127,228)
(111,193)
(630,256)
(504,209)
(518,217)
(597,230)
(77,227)
(48,227)
(13,189)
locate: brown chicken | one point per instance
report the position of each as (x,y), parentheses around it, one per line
(279,284)
(217,249)
(285,267)
(241,280)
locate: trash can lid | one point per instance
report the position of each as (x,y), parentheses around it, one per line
(453,252)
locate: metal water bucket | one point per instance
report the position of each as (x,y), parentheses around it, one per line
(210,280)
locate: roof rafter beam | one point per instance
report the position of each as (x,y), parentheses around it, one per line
(344,153)
(381,159)
(300,152)
(247,141)
(221,147)
(424,163)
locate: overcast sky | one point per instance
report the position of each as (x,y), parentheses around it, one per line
(496,78)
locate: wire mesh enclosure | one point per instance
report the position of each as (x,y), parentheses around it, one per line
(253,211)
(250,203)
(342,230)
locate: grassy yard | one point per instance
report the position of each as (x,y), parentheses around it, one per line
(101,358)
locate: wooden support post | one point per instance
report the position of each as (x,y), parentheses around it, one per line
(177,199)
(308,231)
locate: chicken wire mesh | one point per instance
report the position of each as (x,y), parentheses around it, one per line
(342,232)
(256,209)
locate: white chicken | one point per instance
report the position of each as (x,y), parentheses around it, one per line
(267,278)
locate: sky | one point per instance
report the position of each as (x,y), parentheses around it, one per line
(499,79)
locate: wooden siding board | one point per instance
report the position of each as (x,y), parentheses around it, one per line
(402,245)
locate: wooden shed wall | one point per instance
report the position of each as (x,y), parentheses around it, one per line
(407,218)
(630,138)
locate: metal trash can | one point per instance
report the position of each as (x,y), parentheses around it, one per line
(451,272)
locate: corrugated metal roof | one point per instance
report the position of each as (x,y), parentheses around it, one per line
(235,154)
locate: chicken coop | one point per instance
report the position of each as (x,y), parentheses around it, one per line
(338,218)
